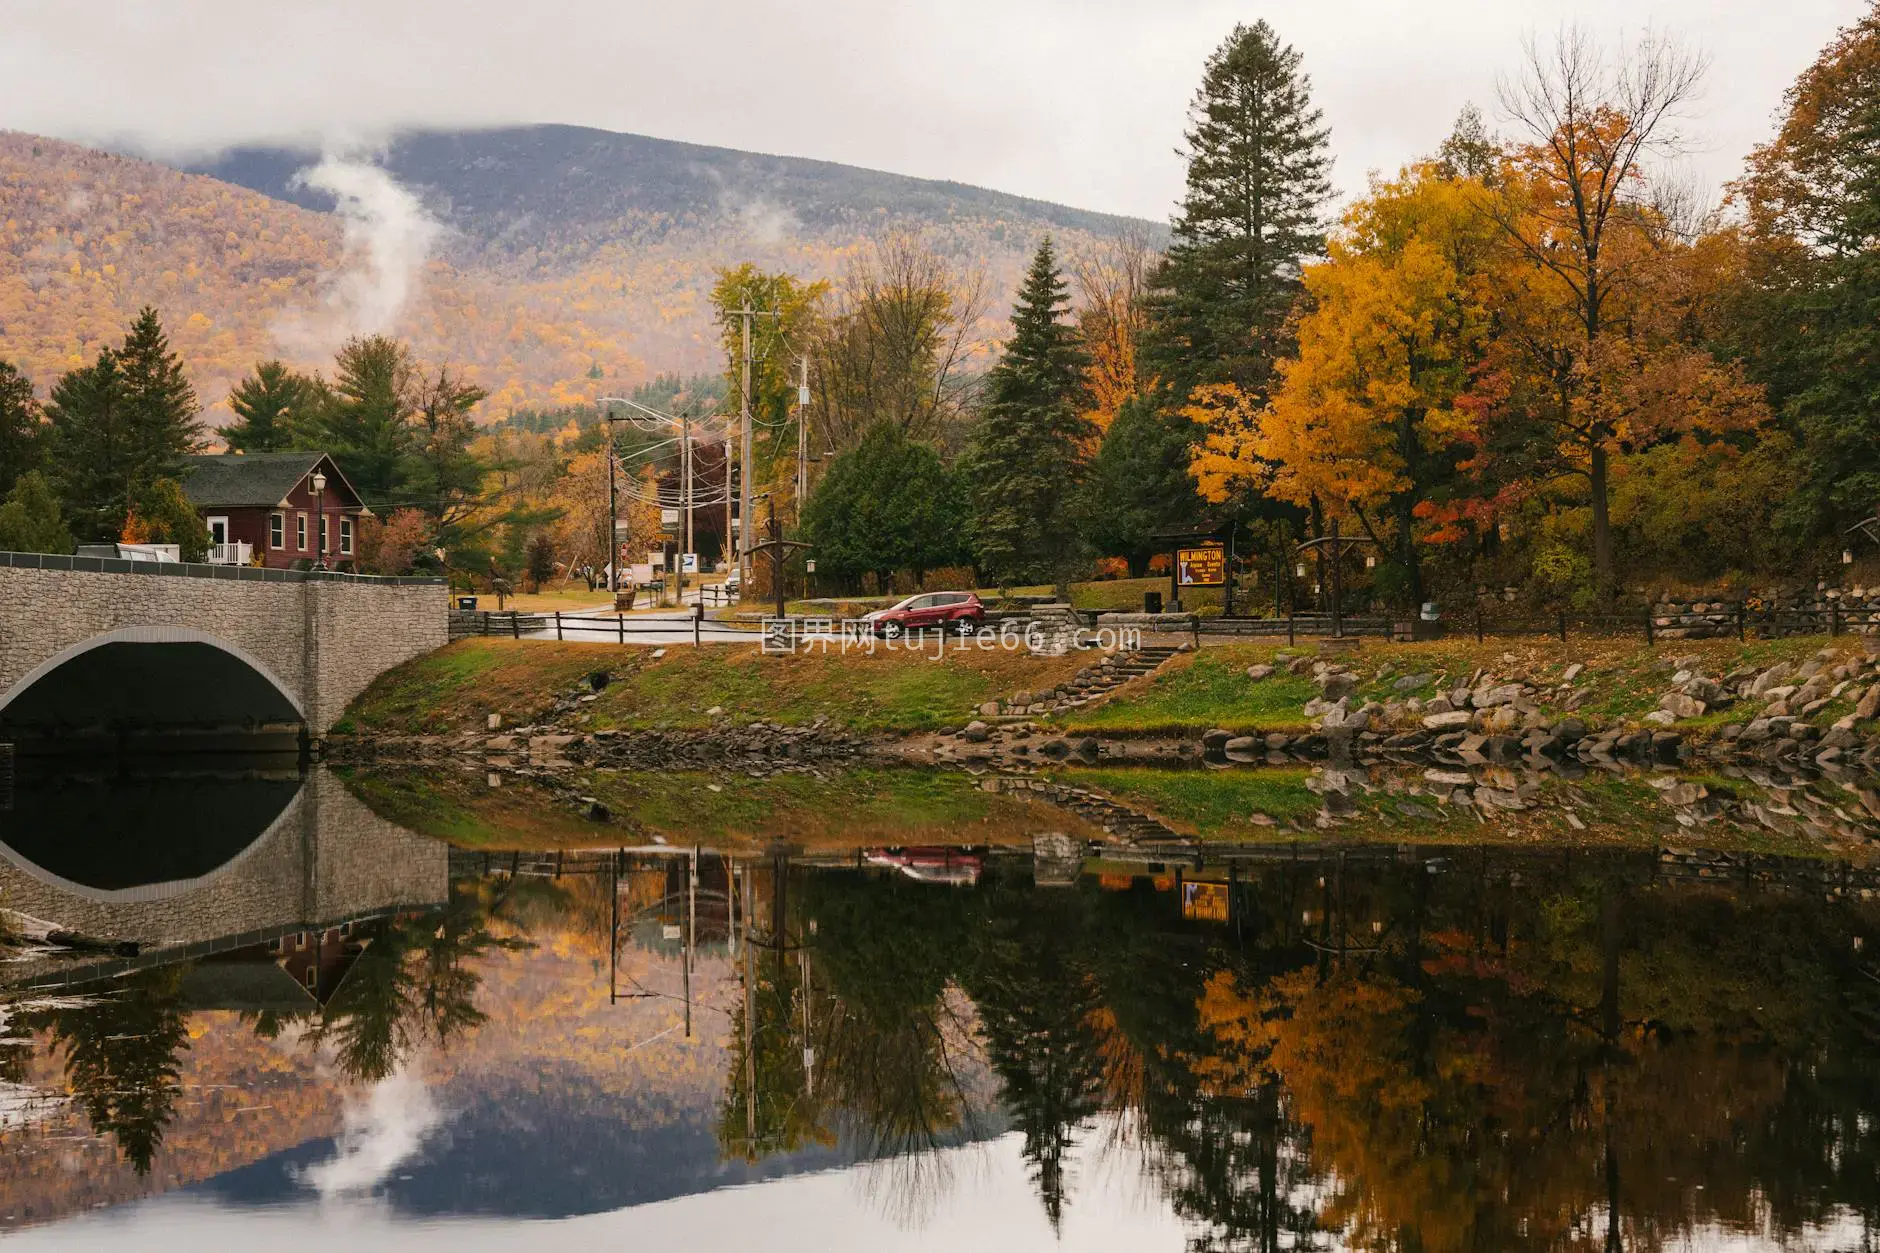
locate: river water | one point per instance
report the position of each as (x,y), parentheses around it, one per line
(245,1004)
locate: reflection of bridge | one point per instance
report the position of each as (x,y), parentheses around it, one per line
(89,642)
(325,859)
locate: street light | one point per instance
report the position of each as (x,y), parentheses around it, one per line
(319,512)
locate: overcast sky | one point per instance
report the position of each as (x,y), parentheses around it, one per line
(1079,101)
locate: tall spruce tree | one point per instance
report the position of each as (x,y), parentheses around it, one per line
(21,449)
(160,408)
(118,425)
(1258,161)
(271,404)
(1026,461)
(91,457)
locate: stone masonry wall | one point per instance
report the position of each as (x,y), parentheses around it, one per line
(322,640)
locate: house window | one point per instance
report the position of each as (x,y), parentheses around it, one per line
(300,531)
(323,543)
(277,530)
(345,536)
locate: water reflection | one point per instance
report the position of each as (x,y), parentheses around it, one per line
(1303,1046)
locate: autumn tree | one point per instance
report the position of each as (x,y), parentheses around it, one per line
(30,521)
(1112,279)
(895,345)
(391,544)
(1367,417)
(1258,161)
(787,312)
(1809,321)
(21,449)
(270,404)
(1025,465)
(162,514)
(1577,213)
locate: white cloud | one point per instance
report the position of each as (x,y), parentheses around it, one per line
(1079,101)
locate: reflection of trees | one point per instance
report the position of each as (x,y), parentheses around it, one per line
(414,982)
(876,1013)
(1574,1056)
(121,1059)
(1031,979)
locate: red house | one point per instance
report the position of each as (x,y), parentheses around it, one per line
(277,509)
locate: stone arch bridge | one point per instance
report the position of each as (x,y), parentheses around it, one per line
(97,644)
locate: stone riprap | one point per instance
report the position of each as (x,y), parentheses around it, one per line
(320,639)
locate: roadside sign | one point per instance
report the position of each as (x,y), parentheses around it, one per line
(669,517)
(810,566)
(688,563)
(1201,567)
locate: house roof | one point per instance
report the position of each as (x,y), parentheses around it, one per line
(259,479)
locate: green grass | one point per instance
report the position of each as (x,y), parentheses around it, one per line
(456,688)
(1206,690)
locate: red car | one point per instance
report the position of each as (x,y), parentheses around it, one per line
(958,610)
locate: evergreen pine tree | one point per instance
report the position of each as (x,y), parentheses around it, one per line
(160,408)
(91,448)
(20,446)
(1026,460)
(1140,482)
(367,426)
(1252,214)
(271,404)
(30,521)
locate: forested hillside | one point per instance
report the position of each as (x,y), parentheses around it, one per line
(572,263)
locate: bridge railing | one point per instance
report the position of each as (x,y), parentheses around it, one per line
(202,570)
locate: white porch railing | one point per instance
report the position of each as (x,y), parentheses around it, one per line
(236,554)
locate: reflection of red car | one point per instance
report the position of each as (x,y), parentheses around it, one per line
(930,865)
(929,609)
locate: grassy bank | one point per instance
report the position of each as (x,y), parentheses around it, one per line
(1623,678)
(456,688)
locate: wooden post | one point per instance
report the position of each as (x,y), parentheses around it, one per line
(1649,640)
(698,618)
(1478,622)
(620,620)
(1834,617)
(1563,626)
(558,624)
(1291,627)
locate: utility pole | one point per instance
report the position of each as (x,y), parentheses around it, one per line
(745,479)
(685,492)
(802,436)
(613,514)
(744,456)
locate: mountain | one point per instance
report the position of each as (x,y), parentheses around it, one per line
(570,263)
(507,189)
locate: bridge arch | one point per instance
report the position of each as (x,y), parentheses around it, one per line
(170,674)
